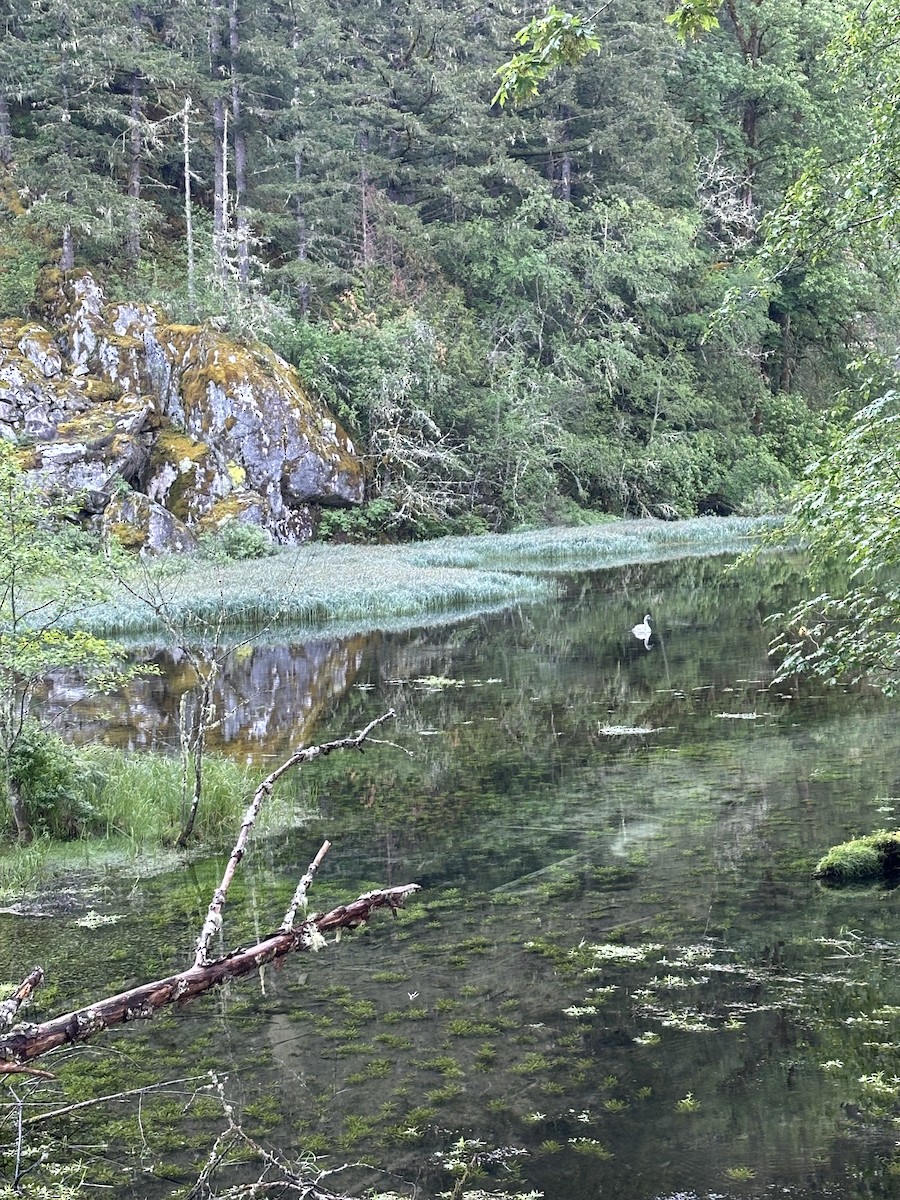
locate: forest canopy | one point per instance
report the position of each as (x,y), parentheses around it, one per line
(514,302)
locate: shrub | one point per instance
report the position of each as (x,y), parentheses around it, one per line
(53,780)
(237,540)
(368,523)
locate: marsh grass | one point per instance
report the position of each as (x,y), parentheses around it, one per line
(136,813)
(367,586)
(138,796)
(862,860)
(593,546)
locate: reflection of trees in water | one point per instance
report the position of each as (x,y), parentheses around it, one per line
(266,697)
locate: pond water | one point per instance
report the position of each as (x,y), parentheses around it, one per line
(619,963)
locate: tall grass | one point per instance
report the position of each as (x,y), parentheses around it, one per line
(136,813)
(593,546)
(306,585)
(368,586)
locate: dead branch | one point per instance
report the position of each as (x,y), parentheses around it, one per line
(279,1176)
(126,1095)
(11,1005)
(24,1042)
(303,887)
(213,920)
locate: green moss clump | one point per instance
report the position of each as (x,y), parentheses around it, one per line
(862,860)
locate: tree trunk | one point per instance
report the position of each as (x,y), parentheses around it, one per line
(188,208)
(302,234)
(24,832)
(220,181)
(366,239)
(5,132)
(67,250)
(135,149)
(240,153)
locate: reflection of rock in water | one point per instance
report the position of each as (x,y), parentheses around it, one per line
(266,698)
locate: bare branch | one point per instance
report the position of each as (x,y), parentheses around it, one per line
(303,887)
(11,1005)
(213,922)
(24,1043)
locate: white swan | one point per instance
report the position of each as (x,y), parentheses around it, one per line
(642,631)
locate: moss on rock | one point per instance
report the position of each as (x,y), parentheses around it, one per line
(862,860)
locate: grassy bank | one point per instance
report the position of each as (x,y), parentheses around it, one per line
(130,809)
(316,584)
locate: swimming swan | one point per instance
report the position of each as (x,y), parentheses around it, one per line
(643,631)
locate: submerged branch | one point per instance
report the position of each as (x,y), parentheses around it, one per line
(27,1042)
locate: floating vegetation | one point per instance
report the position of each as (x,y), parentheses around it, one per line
(612,952)
(625,730)
(647,1039)
(740,1174)
(687,1104)
(587,1145)
(864,859)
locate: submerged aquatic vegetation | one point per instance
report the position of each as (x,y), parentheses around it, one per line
(876,856)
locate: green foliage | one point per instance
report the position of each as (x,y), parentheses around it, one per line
(54,782)
(861,860)
(693,18)
(21,261)
(369,523)
(846,515)
(557,39)
(48,570)
(236,540)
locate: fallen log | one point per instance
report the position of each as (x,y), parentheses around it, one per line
(25,1042)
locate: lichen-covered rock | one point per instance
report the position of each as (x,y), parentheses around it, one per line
(109,395)
(137,523)
(250,408)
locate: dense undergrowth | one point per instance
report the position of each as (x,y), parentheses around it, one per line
(100,805)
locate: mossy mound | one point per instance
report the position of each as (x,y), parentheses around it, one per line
(862,860)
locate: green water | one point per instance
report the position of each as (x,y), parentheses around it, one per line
(618,963)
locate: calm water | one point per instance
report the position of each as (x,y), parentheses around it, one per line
(618,962)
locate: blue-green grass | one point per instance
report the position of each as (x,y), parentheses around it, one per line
(587,547)
(314,585)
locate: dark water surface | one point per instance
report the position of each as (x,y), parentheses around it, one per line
(619,962)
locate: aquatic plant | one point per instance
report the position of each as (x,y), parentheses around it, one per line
(308,586)
(876,856)
(687,1104)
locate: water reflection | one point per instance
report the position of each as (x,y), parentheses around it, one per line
(264,696)
(620,961)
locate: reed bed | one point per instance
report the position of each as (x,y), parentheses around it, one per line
(371,586)
(309,585)
(589,547)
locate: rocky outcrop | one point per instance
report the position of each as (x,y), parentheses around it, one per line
(163,431)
